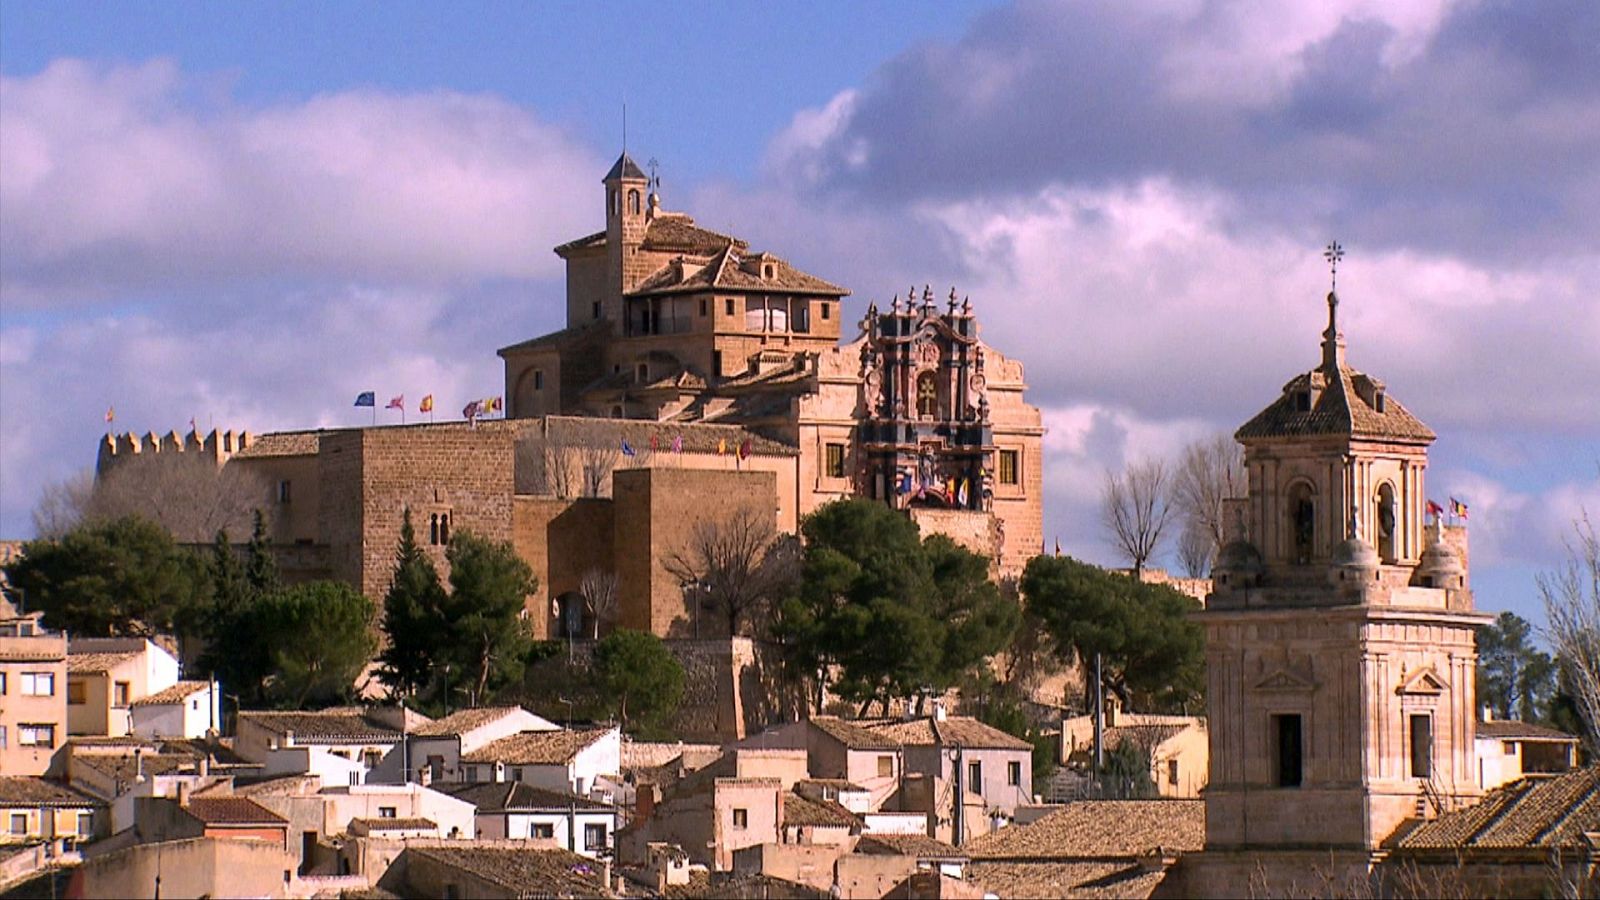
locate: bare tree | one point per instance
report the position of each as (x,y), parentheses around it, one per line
(546,462)
(599,590)
(1210,472)
(63,504)
(1196,549)
(1571,595)
(1135,509)
(597,458)
(740,563)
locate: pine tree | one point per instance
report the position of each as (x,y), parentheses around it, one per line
(262,570)
(412,617)
(486,636)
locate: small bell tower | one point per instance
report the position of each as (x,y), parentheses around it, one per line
(627,207)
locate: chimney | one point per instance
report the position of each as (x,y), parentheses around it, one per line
(1488,713)
(205,765)
(183,793)
(939,713)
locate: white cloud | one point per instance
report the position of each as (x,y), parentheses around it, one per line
(118,177)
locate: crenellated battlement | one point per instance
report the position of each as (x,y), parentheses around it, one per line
(214,446)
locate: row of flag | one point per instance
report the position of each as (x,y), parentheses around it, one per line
(742,451)
(1457,509)
(474,410)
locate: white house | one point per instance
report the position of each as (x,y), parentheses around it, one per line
(341,746)
(435,748)
(513,810)
(409,805)
(564,761)
(1508,749)
(188,709)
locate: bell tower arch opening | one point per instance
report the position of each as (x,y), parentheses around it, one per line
(1386,523)
(1302,509)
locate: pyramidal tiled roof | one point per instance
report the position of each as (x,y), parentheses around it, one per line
(1345,405)
(624,167)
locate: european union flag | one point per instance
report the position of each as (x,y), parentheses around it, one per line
(367,398)
(627,450)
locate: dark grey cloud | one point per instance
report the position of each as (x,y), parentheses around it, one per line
(1485,139)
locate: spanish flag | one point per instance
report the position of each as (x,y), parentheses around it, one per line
(722,446)
(111,413)
(426,405)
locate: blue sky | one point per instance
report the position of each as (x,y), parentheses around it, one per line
(247,213)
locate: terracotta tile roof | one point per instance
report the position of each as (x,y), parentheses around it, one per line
(598,239)
(558,338)
(97,663)
(1502,729)
(676,232)
(175,694)
(697,437)
(965,730)
(27,791)
(127,768)
(465,720)
(515,795)
(853,735)
(738,886)
(396,824)
(335,726)
(546,872)
(1098,829)
(802,811)
(1535,811)
(728,270)
(1111,880)
(232,811)
(1343,407)
(281,443)
(919,845)
(537,748)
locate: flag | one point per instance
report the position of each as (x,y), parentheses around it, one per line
(744,449)
(654,443)
(111,413)
(1457,508)
(367,398)
(722,446)
(1435,509)
(961,495)
(426,405)
(470,411)
(494,404)
(627,450)
(191,424)
(905,481)
(1058,546)
(677,444)
(398,401)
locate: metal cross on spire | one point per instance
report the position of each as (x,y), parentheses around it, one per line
(655,180)
(1333,253)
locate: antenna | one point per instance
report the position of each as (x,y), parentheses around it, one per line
(624,127)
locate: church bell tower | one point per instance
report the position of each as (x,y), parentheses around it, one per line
(1340,637)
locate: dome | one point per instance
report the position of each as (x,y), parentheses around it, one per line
(1240,557)
(1354,553)
(1441,559)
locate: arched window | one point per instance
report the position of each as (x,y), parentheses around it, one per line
(1302,523)
(433,529)
(1386,523)
(927,395)
(444,528)
(633,202)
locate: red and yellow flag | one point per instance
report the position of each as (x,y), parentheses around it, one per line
(426,405)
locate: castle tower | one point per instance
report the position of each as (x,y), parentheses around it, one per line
(627,215)
(1340,636)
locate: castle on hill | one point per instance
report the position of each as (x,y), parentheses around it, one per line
(694,379)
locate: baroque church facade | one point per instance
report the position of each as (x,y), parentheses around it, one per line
(693,378)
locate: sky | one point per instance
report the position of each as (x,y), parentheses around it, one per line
(246,214)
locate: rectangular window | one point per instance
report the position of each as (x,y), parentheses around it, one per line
(1014,773)
(801,315)
(387,812)
(705,308)
(77,693)
(975,777)
(594,837)
(516,773)
(825,306)
(85,825)
(755,315)
(741,819)
(538,379)
(885,767)
(716,363)
(38,684)
(2,737)
(835,460)
(728,306)
(36,735)
(283,491)
(1287,761)
(2,683)
(1008,466)
(119,694)
(19,823)
(1509,748)
(597,309)
(1421,746)
(1172,772)
(542,830)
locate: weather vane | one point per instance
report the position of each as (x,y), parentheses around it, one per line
(1333,253)
(655,180)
